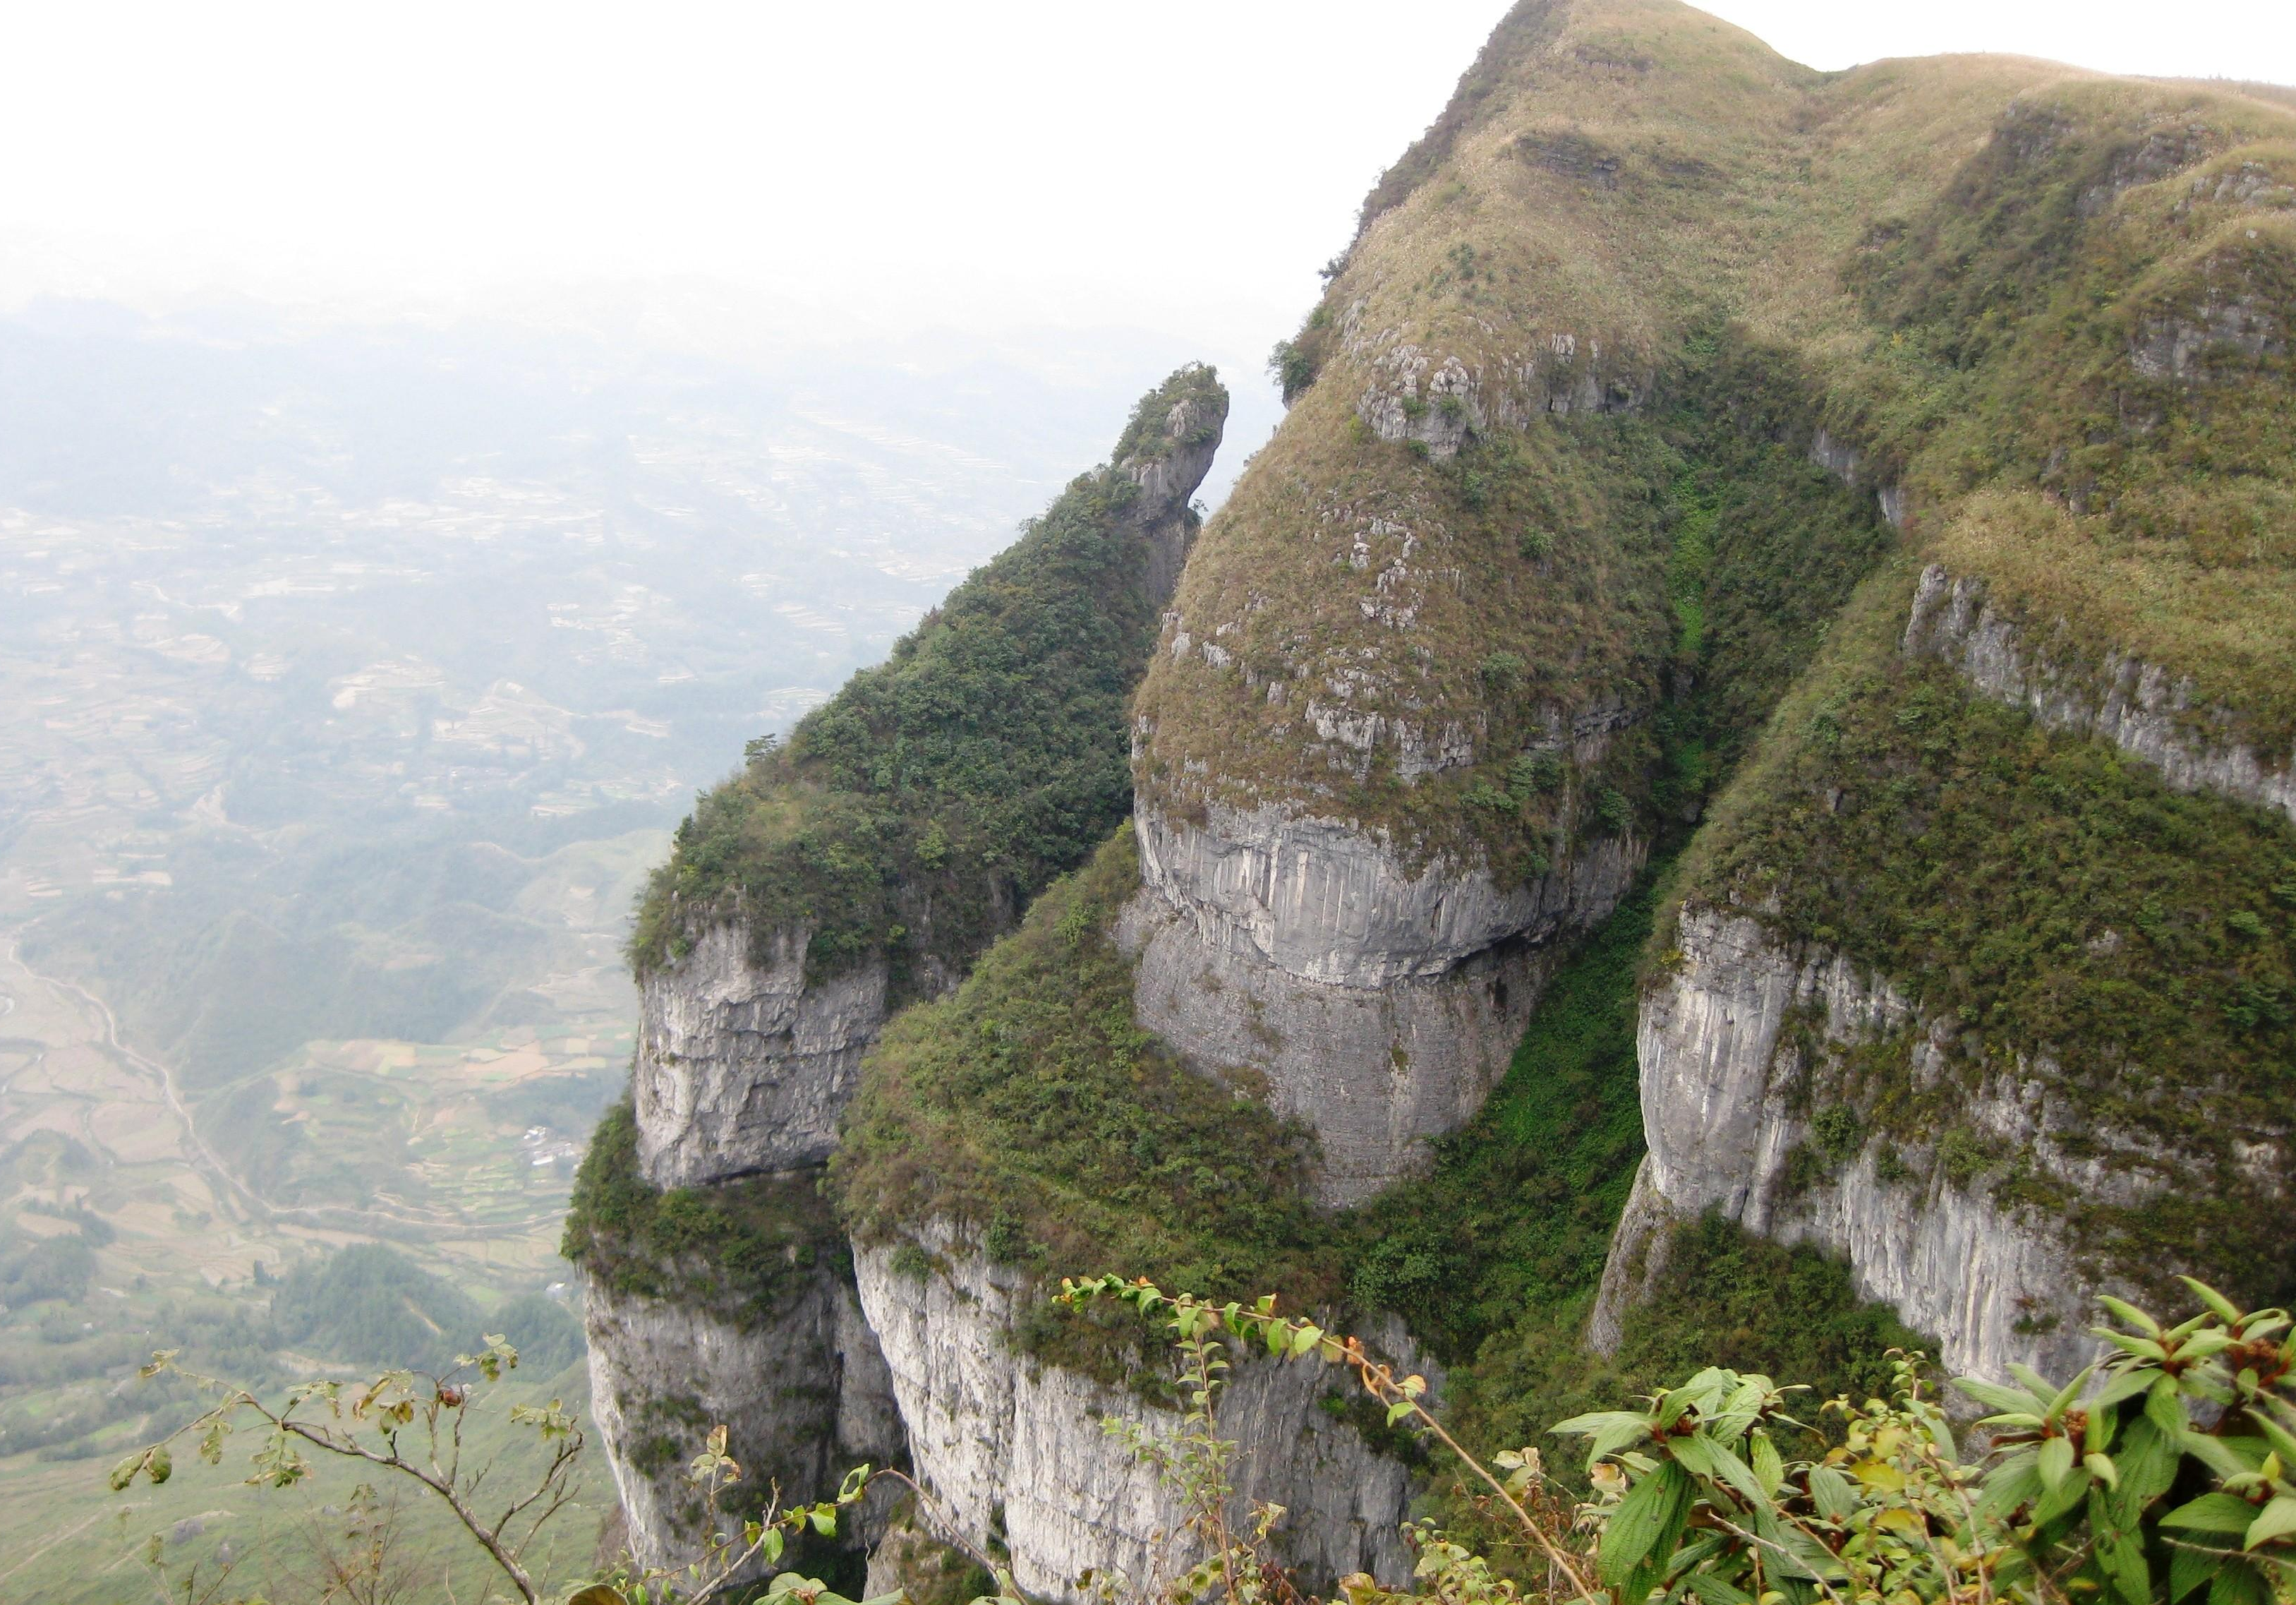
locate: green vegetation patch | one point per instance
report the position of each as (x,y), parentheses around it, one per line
(370,1304)
(734,1248)
(1613,568)
(1030,1108)
(1517,1212)
(937,793)
(2066,913)
(1727,1298)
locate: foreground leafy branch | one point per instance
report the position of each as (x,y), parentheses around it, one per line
(2137,1482)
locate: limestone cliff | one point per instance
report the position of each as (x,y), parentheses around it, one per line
(804,1395)
(2153,716)
(744,1068)
(1372,1003)
(1019,1450)
(803,899)
(1730,1041)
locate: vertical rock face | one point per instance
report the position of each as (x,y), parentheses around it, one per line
(1377,1003)
(803,1396)
(1727,1104)
(742,1068)
(1007,1445)
(2137,706)
(1168,475)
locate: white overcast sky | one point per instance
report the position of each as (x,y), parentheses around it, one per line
(1175,165)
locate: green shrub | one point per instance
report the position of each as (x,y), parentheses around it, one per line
(940,790)
(1030,1108)
(733,1248)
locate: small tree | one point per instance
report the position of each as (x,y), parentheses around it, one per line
(411,1425)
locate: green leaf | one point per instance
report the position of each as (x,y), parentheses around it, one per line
(1712,1590)
(2212,1513)
(1835,1498)
(2042,1389)
(1694,1453)
(2216,1301)
(2014,1482)
(2188,1568)
(2128,1314)
(2128,1385)
(1653,1508)
(2122,1558)
(1305,1339)
(2064,1498)
(2239,1583)
(1993,1396)
(2283,1442)
(2222,1456)
(2147,1462)
(2164,1407)
(1397,1411)
(1739,1476)
(1768,1465)
(1611,1430)
(2056,1461)
(2069,1392)
(2278,1521)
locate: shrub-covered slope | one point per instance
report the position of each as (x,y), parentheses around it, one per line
(909,820)
(915,812)
(1868,493)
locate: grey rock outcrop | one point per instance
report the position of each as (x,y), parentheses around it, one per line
(1440,399)
(1376,1001)
(2139,707)
(1726,1104)
(1168,475)
(744,1068)
(1847,464)
(804,1395)
(999,1438)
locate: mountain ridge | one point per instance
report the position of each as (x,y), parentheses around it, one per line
(1865,495)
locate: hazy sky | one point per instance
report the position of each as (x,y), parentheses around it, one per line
(1181,165)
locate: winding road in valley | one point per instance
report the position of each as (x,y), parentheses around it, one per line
(228,1186)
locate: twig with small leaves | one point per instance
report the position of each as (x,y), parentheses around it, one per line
(1287,1338)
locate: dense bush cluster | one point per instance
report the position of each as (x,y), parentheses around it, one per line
(735,1247)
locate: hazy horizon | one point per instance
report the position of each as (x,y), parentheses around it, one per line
(737,180)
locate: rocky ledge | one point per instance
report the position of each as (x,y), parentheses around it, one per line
(1733,1045)
(2141,708)
(803,1396)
